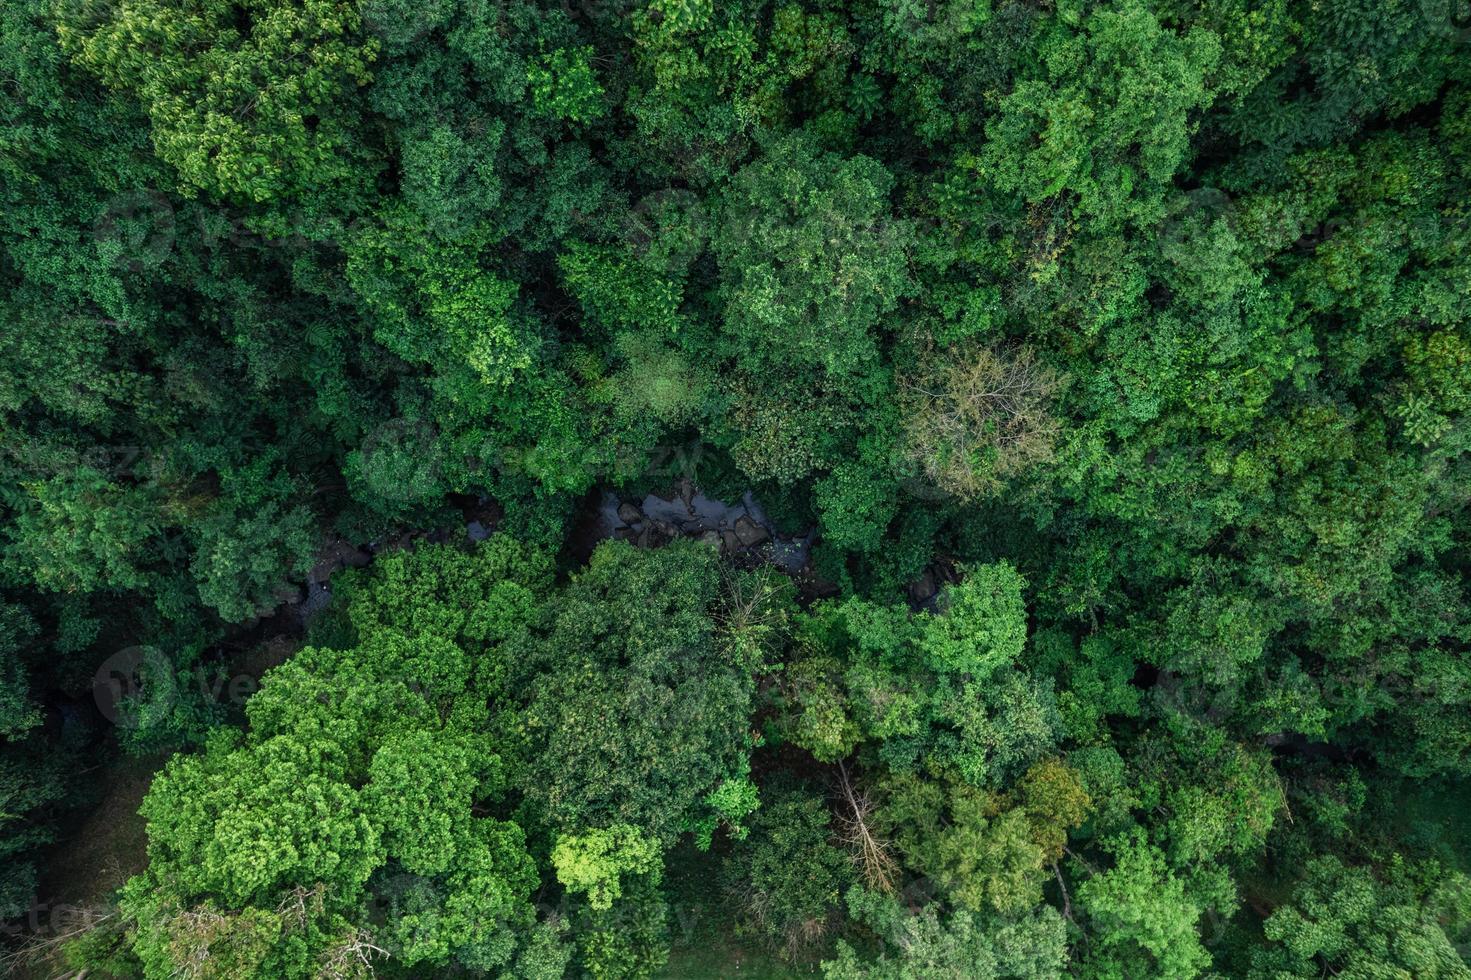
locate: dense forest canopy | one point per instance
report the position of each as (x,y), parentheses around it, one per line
(905,489)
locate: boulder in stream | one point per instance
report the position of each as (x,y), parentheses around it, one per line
(749,532)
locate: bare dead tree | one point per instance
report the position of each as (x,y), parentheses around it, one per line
(350,959)
(978,415)
(873,855)
(298,905)
(195,935)
(1067,901)
(191,933)
(796,937)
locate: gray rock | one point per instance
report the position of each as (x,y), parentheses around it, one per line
(749,532)
(629,514)
(339,554)
(923,589)
(322,571)
(318,597)
(791,555)
(732,542)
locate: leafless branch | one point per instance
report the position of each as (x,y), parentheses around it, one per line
(873,855)
(978,416)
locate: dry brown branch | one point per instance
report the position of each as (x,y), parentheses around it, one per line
(796,938)
(1067,902)
(351,958)
(35,950)
(192,932)
(873,855)
(804,936)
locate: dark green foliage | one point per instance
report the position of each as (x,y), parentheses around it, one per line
(787,878)
(30,775)
(1346,920)
(637,710)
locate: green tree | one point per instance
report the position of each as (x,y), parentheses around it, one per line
(1141,919)
(1104,124)
(811,261)
(594,861)
(245,100)
(1349,921)
(787,877)
(358,782)
(635,712)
